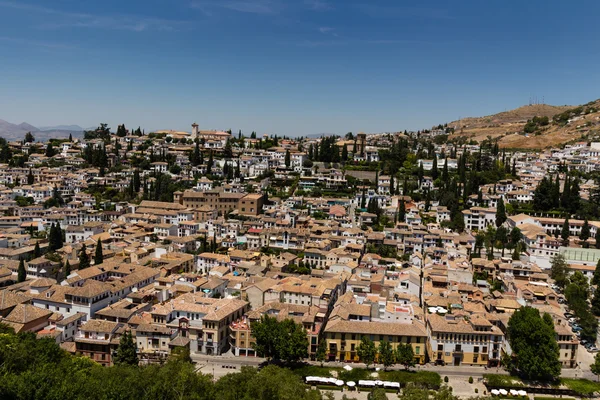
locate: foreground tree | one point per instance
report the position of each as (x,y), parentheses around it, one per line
(533,341)
(559,270)
(386,354)
(596,277)
(366,351)
(285,340)
(126,352)
(405,355)
(322,351)
(595,366)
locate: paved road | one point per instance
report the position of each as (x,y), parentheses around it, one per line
(227,364)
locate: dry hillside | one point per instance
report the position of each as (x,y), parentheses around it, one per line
(566,124)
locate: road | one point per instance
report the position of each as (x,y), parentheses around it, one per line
(219,366)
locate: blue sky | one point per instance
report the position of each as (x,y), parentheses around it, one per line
(291,66)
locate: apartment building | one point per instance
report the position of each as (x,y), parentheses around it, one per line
(99,340)
(460,340)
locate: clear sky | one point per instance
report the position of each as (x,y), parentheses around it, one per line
(291,66)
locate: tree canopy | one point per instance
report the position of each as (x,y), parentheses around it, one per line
(280,340)
(366,351)
(33,368)
(533,341)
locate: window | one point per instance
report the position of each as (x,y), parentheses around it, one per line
(417,350)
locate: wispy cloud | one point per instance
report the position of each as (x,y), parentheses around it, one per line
(318,5)
(327,30)
(353,42)
(36,43)
(261,7)
(378,11)
(62,19)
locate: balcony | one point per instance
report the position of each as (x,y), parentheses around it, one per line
(457,352)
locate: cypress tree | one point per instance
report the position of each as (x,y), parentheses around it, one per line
(363,200)
(67,268)
(585,232)
(30,178)
(445,174)
(288,158)
(21,273)
(500,213)
(98,256)
(36,250)
(401,211)
(84,259)
(564,233)
(210,163)
(434,167)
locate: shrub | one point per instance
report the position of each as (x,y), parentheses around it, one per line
(476,390)
(470,379)
(503,381)
(356,374)
(428,379)
(583,387)
(446,379)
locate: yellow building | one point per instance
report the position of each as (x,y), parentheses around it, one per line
(344,337)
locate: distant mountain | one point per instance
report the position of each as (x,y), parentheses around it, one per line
(61,128)
(12,131)
(28,127)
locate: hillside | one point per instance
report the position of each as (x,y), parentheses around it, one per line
(565,124)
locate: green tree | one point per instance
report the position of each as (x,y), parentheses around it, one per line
(500,213)
(285,340)
(84,259)
(181,354)
(30,178)
(21,272)
(36,250)
(405,355)
(67,268)
(585,232)
(288,159)
(596,277)
(209,164)
(434,167)
(322,351)
(386,354)
(29,138)
(98,256)
(377,394)
(559,270)
(126,353)
(50,152)
(55,239)
(533,341)
(596,303)
(366,351)
(401,211)
(564,232)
